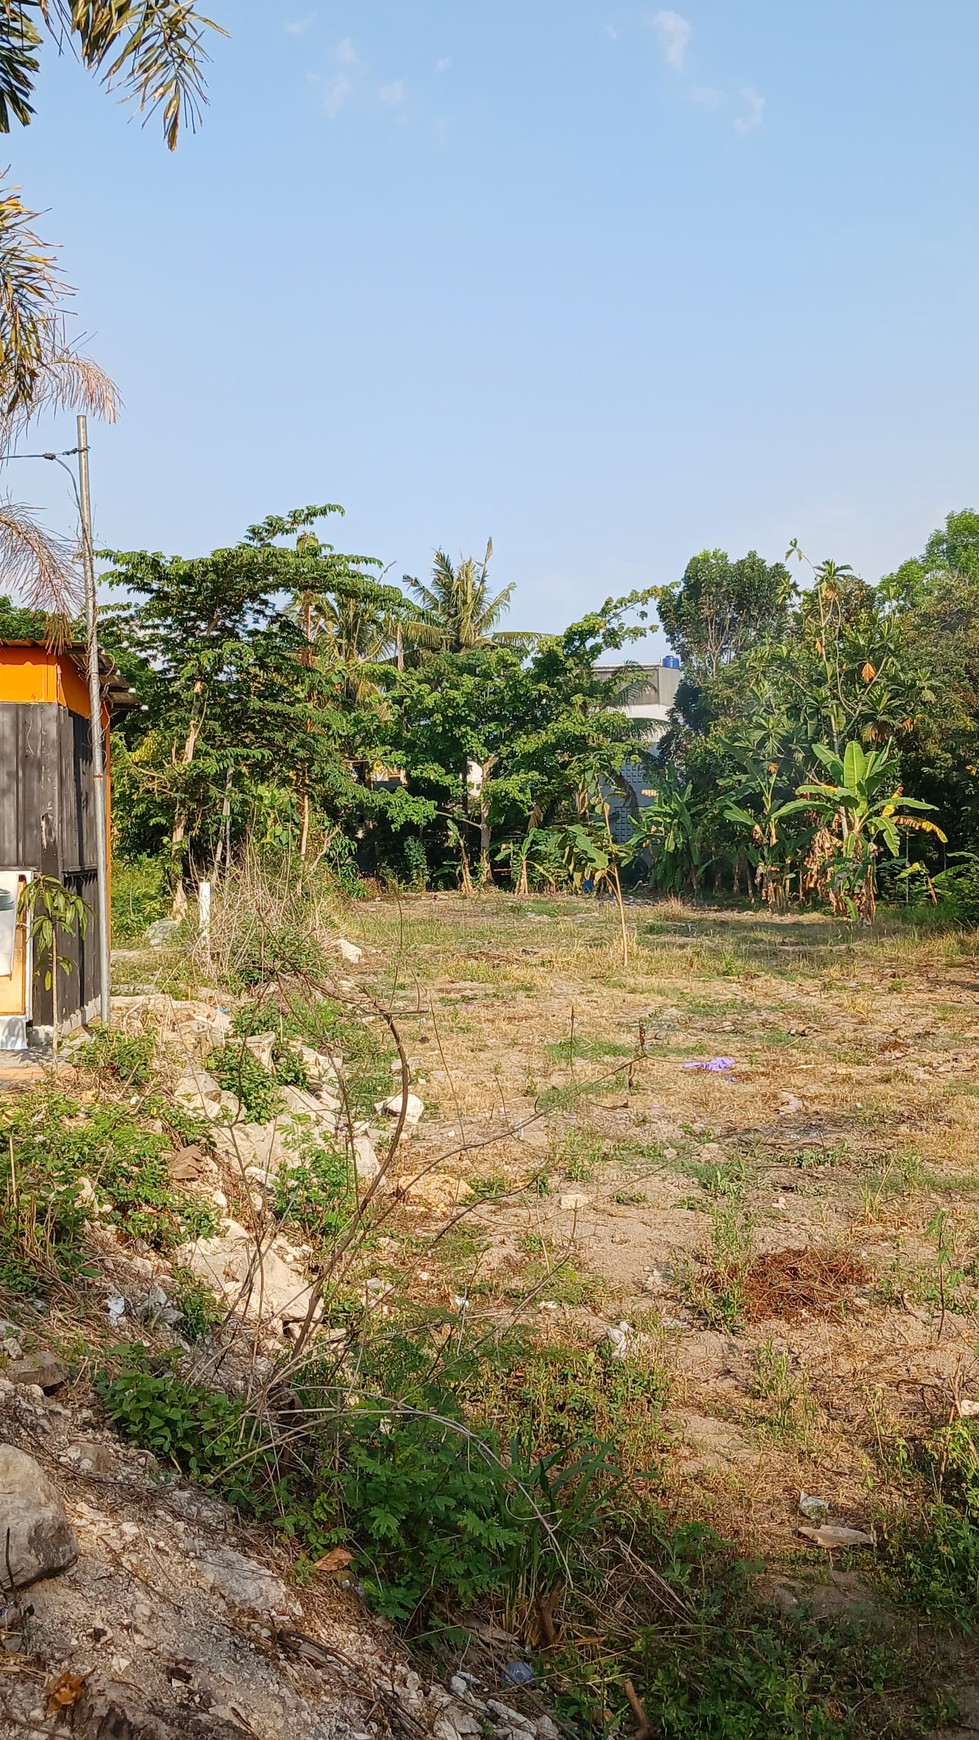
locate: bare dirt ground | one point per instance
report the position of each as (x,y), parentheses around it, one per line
(791,1241)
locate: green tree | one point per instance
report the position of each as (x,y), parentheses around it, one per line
(720,608)
(506,744)
(935,607)
(457,609)
(237,709)
(861,807)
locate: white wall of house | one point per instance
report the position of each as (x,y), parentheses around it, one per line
(651,693)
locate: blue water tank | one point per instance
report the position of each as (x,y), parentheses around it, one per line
(671,662)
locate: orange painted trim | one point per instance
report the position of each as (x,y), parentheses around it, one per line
(32,676)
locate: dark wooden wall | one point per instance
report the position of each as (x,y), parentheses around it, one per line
(47,824)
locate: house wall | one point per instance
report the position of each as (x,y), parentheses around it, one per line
(47,805)
(650,696)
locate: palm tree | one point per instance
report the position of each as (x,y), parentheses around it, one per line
(458,611)
(154,51)
(39,371)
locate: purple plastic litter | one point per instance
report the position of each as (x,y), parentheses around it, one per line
(713,1064)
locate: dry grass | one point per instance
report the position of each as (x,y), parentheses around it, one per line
(812,1282)
(556,1084)
(850,1116)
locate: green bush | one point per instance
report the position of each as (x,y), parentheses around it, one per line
(48,1144)
(140,895)
(957,889)
(317,1192)
(200,1309)
(201,1432)
(238,1072)
(262,952)
(711,1660)
(932,1560)
(126,1057)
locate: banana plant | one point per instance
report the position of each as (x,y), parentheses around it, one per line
(860,809)
(671,828)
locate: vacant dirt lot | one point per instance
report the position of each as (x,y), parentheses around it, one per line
(789,1241)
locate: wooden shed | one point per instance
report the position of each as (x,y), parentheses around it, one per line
(47,826)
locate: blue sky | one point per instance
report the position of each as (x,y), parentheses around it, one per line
(610,282)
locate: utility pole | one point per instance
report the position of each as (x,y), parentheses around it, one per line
(95,710)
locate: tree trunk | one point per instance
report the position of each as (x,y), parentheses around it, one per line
(179,831)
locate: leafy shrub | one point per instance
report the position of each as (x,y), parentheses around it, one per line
(957,888)
(264,952)
(438,1512)
(200,1309)
(711,1660)
(238,1072)
(195,1429)
(126,1057)
(140,895)
(316,1193)
(933,1559)
(49,1143)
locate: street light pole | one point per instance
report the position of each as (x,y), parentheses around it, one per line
(95,710)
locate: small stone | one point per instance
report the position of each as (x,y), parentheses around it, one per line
(366,1163)
(261,1047)
(198,1090)
(186,1165)
(243,1583)
(349,951)
(91,1458)
(38,1538)
(300,1104)
(38,1370)
(574,1199)
(163,931)
(619,1337)
(413,1107)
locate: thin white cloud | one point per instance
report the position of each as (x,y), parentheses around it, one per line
(443,65)
(393,95)
(674,32)
(707,97)
(299,26)
(753,117)
(335,93)
(338,90)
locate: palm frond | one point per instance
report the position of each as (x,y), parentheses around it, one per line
(69,381)
(153,49)
(19,39)
(31,290)
(37,566)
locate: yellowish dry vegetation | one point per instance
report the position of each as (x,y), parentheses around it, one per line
(614,1184)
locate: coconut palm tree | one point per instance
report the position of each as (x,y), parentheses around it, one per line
(457,609)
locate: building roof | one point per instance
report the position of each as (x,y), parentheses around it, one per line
(115,689)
